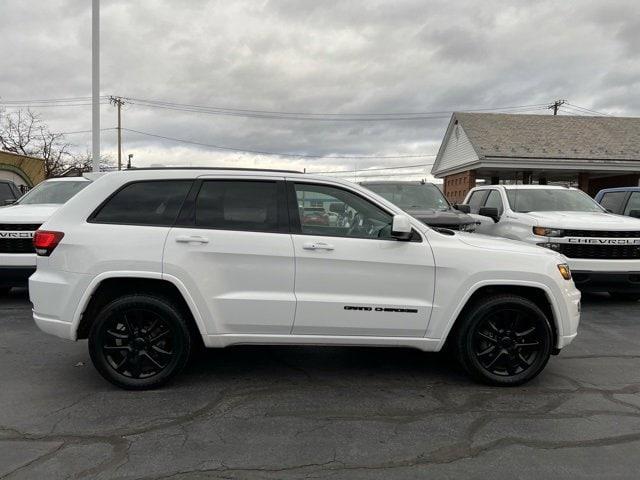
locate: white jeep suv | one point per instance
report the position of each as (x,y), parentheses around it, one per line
(148,264)
(603,249)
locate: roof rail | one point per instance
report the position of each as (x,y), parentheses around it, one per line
(215,168)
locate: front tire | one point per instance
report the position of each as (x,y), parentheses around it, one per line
(139,342)
(504,340)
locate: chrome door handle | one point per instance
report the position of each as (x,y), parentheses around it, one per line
(317,246)
(191,239)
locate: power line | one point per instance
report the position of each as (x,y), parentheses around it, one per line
(273,112)
(87,131)
(587,109)
(325,117)
(53,105)
(260,152)
(378,169)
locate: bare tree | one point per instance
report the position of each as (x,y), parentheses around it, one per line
(25,133)
(83,163)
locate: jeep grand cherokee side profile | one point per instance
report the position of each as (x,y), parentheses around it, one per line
(147,264)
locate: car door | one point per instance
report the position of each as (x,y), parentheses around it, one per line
(352,277)
(232,250)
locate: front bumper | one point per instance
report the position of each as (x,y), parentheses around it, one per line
(594,281)
(15,276)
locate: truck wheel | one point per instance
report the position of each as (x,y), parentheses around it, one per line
(504,340)
(625,297)
(139,342)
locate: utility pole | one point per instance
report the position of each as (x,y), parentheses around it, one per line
(95,83)
(556,105)
(118,102)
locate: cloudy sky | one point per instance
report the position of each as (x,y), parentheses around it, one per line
(346,58)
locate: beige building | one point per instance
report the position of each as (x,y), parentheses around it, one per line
(590,152)
(22,170)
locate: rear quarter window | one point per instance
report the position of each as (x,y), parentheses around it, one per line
(144,203)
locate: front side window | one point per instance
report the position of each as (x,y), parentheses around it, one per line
(412,196)
(330,211)
(238,205)
(145,203)
(53,192)
(634,203)
(495,200)
(613,201)
(551,200)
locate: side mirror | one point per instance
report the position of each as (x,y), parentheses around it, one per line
(401,227)
(634,213)
(462,208)
(491,212)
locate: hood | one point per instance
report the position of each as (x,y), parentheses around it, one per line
(584,220)
(27,213)
(487,242)
(440,217)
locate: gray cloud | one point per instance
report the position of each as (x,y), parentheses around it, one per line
(310,56)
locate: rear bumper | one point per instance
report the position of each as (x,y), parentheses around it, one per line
(15,276)
(52,326)
(593,281)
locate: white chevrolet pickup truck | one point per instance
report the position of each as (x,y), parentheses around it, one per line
(147,264)
(603,249)
(21,219)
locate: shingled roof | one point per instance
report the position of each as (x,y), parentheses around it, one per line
(550,136)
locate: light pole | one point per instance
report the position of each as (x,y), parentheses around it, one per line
(95,83)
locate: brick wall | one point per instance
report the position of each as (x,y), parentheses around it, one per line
(457,186)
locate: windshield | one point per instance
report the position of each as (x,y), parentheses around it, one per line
(53,192)
(551,200)
(424,196)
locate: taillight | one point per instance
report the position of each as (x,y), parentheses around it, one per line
(45,241)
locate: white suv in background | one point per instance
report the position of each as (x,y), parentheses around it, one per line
(603,249)
(19,220)
(148,263)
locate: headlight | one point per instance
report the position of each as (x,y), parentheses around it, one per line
(548,232)
(565,271)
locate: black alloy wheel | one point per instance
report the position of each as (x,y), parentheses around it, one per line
(139,342)
(505,340)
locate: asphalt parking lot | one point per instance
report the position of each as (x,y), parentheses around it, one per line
(294,412)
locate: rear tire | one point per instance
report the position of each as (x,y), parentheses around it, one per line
(625,297)
(504,340)
(139,342)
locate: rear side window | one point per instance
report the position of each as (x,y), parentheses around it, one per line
(145,203)
(238,205)
(613,201)
(476,200)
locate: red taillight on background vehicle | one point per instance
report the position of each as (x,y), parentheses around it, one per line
(45,241)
